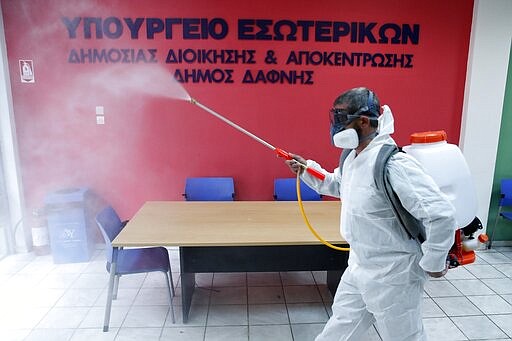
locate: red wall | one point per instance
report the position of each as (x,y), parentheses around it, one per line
(151,142)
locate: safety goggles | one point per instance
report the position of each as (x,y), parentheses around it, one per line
(342,117)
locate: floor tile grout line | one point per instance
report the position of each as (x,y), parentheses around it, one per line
(321,296)
(484,314)
(286,306)
(480,280)
(210,290)
(247,305)
(492,321)
(129,309)
(55,303)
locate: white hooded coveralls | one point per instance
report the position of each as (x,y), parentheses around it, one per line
(386,269)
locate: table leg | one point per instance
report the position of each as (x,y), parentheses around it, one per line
(257,259)
(333,279)
(188,282)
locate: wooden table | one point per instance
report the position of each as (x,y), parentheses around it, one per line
(239,236)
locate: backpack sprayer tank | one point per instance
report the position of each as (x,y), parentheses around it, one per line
(445,163)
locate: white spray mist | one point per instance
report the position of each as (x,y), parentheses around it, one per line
(128,80)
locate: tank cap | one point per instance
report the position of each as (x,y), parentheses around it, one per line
(483,238)
(428,136)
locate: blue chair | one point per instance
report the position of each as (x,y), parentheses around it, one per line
(130,261)
(505,201)
(285,189)
(210,189)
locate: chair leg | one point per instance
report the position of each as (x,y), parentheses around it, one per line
(171,293)
(116,287)
(108,307)
(172,283)
(489,245)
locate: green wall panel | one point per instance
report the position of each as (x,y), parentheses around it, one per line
(503,164)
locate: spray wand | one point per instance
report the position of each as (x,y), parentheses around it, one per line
(287,156)
(279,152)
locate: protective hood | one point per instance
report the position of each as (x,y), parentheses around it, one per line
(386,126)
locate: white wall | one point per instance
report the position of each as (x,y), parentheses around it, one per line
(484,93)
(9,153)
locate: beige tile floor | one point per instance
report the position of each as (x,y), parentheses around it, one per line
(41,300)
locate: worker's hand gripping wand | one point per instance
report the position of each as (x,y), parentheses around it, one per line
(279,152)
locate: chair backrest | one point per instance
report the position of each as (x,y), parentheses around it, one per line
(285,189)
(110,225)
(506,192)
(210,189)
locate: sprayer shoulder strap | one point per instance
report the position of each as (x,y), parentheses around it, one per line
(411,225)
(343,156)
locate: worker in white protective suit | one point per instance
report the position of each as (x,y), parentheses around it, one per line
(386,271)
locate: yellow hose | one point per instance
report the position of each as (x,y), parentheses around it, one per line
(306,220)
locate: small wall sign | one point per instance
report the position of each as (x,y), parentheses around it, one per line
(27,71)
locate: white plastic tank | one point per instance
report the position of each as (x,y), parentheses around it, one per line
(445,163)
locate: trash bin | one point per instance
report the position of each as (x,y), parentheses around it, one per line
(70,216)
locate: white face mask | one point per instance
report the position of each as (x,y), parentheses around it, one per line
(346,139)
